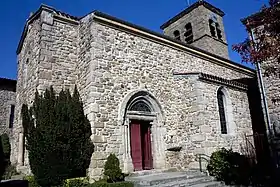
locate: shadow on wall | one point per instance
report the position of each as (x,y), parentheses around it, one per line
(260,138)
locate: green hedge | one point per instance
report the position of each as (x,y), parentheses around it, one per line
(117,184)
(31,181)
(77,182)
(81,182)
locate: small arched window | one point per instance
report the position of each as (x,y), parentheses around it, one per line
(189,33)
(12,116)
(25,72)
(177,35)
(222,110)
(219,32)
(212,28)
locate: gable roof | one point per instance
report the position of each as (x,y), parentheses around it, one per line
(189,9)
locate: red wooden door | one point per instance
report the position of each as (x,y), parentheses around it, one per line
(146,145)
(136,148)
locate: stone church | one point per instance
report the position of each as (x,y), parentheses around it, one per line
(155,100)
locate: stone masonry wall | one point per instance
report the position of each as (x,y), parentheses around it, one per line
(122,62)
(27,76)
(212,45)
(199,129)
(272,89)
(58,58)
(209,138)
(7,98)
(199,19)
(86,68)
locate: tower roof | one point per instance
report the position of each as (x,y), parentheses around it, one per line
(192,7)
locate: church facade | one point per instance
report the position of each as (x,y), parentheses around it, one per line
(155,100)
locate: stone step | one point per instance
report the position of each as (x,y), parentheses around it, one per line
(187,182)
(152,172)
(168,177)
(210,184)
(17,177)
(155,179)
(174,179)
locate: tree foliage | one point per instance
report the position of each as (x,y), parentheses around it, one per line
(230,167)
(57,137)
(264,26)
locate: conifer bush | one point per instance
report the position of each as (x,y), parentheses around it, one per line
(112,170)
(57,137)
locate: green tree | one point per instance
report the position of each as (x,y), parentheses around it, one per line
(58,137)
(264,43)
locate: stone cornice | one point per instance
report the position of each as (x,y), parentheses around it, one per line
(214,79)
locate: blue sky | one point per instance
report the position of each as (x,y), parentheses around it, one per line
(148,13)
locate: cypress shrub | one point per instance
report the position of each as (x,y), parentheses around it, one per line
(57,137)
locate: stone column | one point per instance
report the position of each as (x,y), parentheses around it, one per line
(128,166)
(154,142)
(21,149)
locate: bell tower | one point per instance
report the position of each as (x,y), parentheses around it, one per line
(200,25)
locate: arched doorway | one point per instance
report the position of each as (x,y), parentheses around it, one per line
(140,136)
(143,142)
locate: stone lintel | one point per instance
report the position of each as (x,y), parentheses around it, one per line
(140,116)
